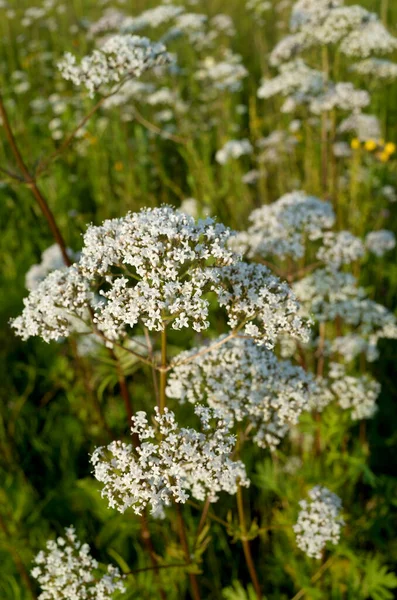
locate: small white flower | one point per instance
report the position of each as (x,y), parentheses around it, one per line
(318,522)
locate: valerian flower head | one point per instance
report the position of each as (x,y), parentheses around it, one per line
(53,308)
(327,294)
(355,394)
(260,303)
(319,521)
(158,267)
(233,149)
(377,68)
(280,228)
(51,260)
(245,382)
(67,570)
(119,58)
(340,248)
(380,242)
(371,38)
(296,78)
(170,464)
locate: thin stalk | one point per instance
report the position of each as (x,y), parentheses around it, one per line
(157,130)
(185,548)
(246,544)
(324,127)
(181,524)
(31,183)
(158,567)
(147,540)
(315,577)
(153,367)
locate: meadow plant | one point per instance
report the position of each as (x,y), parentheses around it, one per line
(218,330)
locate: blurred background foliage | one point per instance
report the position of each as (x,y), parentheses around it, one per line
(53,405)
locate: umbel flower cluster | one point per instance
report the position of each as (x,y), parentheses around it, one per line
(246,383)
(170,464)
(357,394)
(67,570)
(281,228)
(318,522)
(157,267)
(119,58)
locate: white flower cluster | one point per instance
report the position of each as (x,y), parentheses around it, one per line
(352,345)
(280,228)
(51,260)
(296,78)
(153,17)
(53,308)
(286,49)
(224,75)
(157,267)
(246,383)
(342,96)
(233,149)
(259,301)
(380,242)
(376,67)
(340,248)
(327,294)
(171,463)
(356,394)
(67,570)
(371,38)
(120,57)
(366,127)
(273,147)
(318,522)
(311,12)
(168,262)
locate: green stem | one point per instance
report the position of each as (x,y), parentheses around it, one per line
(246,544)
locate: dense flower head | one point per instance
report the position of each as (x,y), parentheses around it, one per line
(170,464)
(334,25)
(280,228)
(53,309)
(233,149)
(67,570)
(158,268)
(318,522)
(51,260)
(119,58)
(245,382)
(327,294)
(376,67)
(222,75)
(367,127)
(380,242)
(342,96)
(371,38)
(260,304)
(340,248)
(312,12)
(295,77)
(356,394)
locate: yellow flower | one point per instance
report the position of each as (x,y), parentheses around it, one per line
(355,143)
(390,148)
(383,156)
(370,145)
(118,166)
